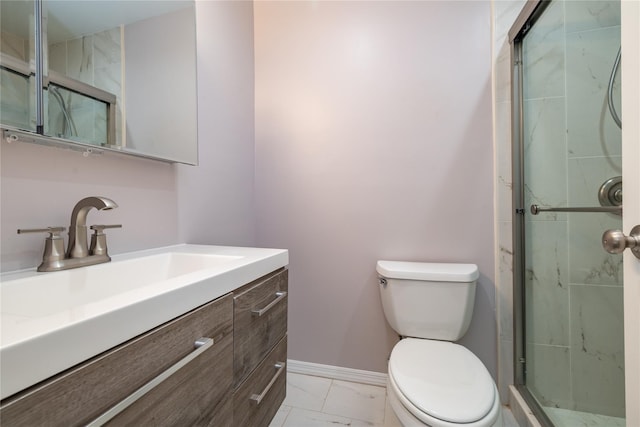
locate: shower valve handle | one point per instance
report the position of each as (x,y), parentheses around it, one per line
(615,242)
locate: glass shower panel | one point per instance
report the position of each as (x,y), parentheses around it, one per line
(572,146)
(17,67)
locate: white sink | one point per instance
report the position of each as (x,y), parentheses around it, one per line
(47,294)
(52,321)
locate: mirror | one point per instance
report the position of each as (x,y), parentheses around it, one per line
(17,57)
(117,75)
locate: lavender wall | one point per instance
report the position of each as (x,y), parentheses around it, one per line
(373,141)
(216,199)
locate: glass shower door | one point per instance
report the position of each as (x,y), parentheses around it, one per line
(571,158)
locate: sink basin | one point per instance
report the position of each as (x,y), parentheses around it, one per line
(46,294)
(69,316)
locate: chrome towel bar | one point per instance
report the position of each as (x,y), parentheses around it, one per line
(535,209)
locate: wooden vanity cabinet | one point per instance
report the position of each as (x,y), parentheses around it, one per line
(259,321)
(194,395)
(260,349)
(257,400)
(217,386)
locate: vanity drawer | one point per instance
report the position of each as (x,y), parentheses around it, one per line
(194,395)
(260,321)
(257,400)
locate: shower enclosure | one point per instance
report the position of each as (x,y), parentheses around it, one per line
(569,343)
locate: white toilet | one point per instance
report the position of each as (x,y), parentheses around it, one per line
(432,381)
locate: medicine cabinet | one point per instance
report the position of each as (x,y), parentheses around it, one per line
(101,76)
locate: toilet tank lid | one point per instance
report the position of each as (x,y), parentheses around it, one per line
(440,272)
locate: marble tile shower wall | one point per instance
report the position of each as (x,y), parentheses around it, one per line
(572,146)
(96,60)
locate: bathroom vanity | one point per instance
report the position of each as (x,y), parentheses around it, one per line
(221,363)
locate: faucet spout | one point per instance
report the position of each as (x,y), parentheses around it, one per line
(78,247)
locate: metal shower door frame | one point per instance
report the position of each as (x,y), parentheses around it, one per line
(525,20)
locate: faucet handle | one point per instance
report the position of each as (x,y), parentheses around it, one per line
(99,228)
(54,232)
(99,239)
(53,253)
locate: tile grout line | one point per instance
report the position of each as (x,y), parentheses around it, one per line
(326,396)
(284,421)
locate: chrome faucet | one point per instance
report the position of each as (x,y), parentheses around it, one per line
(77,246)
(78,253)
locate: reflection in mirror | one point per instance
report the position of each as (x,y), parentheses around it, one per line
(120,75)
(17,64)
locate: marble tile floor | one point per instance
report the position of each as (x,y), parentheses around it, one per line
(567,418)
(322,402)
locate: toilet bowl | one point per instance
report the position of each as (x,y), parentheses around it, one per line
(432,381)
(458,392)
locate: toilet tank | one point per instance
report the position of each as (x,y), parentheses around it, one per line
(428,300)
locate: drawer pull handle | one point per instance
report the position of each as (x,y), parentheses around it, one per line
(201,345)
(257,398)
(279,296)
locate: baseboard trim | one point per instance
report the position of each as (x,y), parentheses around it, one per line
(337,373)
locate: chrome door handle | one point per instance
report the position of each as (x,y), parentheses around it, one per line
(201,345)
(615,242)
(260,312)
(257,398)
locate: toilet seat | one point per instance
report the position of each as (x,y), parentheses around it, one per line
(442,383)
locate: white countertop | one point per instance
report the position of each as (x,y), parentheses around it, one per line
(52,321)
